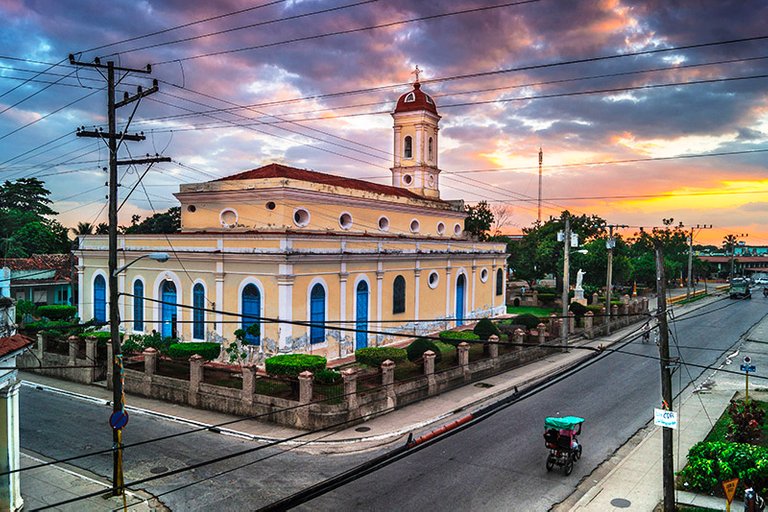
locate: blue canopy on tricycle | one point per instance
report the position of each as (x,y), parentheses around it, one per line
(564,423)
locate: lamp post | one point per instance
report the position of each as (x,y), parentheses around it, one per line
(118,395)
(569,239)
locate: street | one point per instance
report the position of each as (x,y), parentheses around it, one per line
(496,465)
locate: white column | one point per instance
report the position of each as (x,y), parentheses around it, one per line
(449,287)
(285,304)
(398,145)
(417,285)
(379,295)
(474,285)
(10,491)
(81,292)
(219,277)
(121,298)
(343,276)
(419,143)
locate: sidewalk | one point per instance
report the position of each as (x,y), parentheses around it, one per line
(59,482)
(635,481)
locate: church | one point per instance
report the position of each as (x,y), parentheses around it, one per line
(324,264)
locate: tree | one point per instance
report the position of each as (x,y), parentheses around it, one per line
(166,222)
(102,229)
(83,228)
(38,238)
(26,194)
(502,216)
(479,220)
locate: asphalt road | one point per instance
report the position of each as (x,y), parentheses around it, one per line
(496,465)
(499,464)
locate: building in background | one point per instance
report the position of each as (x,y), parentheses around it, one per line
(323,263)
(42,279)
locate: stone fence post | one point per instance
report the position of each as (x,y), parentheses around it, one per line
(571,323)
(429,372)
(306,380)
(553,324)
(195,378)
(519,336)
(91,355)
(388,382)
(595,298)
(249,383)
(73,342)
(589,318)
(350,391)
(463,353)
(40,348)
(615,315)
(542,330)
(624,312)
(150,361)
(493,349)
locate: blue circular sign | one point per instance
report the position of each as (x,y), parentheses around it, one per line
(118,420)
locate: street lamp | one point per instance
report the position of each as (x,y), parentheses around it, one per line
(569,240)
(119,418)
(162,257)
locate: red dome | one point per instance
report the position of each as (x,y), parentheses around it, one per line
(415,100)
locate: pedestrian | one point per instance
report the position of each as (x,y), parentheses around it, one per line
(753,502)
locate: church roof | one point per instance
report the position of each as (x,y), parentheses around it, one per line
(415,100)
(283,171)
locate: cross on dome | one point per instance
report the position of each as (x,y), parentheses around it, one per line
(416,72)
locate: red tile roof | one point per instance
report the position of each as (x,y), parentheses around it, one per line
(11,344)
(420,101)
(739,259)
(283,171)
(61,263)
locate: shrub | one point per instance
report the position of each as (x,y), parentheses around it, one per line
(528,320)
(209,351)
(709,463)
(546,289)
(132,345)
(746,421)
(57,312)
(417,348)
(374,356)
(24,308)
(485,328)
(456,337)
(578,309)
(291,365)
(243,334)
(328,377)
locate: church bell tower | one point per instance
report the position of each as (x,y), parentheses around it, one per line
(415,125)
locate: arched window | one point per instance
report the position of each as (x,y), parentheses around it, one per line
(398,295)
(251,311)
(500,282)
(408,150)
(168,309)
(317,314)
(100,299)
(431,149)
(198,313)
(138,305)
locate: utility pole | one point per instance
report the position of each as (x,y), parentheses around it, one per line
(690,258)
(610,244)
(113,140)
(668,469)
(731,241)
(566,278)
(541,161)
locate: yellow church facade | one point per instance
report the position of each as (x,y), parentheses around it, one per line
(324,264)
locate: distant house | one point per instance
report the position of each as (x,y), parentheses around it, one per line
(42,279)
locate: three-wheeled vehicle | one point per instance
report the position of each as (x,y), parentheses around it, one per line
(560,436)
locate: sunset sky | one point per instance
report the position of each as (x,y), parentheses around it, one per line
(310,83)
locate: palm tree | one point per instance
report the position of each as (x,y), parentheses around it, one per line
(83,228)
(102,229)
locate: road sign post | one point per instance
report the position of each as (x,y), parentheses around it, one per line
(729,486)
(747,368)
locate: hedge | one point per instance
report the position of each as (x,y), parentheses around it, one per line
(528,320)
(417,348)
(208,350)
(328,377)
(456,337)
(291,365)
(710,463)
(374,356)
(485,328)
(57,311)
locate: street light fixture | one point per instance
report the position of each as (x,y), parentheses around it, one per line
(118,398)
(162,257)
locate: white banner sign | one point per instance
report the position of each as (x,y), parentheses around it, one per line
(664,418)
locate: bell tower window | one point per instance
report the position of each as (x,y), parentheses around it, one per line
(408,149)
(431,150)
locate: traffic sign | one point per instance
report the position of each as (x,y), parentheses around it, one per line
(729,486)
(118,420)
(747,359)
(748,368)
(665,418)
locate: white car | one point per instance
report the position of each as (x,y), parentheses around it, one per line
(761,280)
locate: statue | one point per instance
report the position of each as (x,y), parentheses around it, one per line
(579,279)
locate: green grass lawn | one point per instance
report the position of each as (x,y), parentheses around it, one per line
(519,310)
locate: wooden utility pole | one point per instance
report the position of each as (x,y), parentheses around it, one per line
(541,162)
(668,468)
(690,258)
(566,278)
(610,245)
(113,139)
